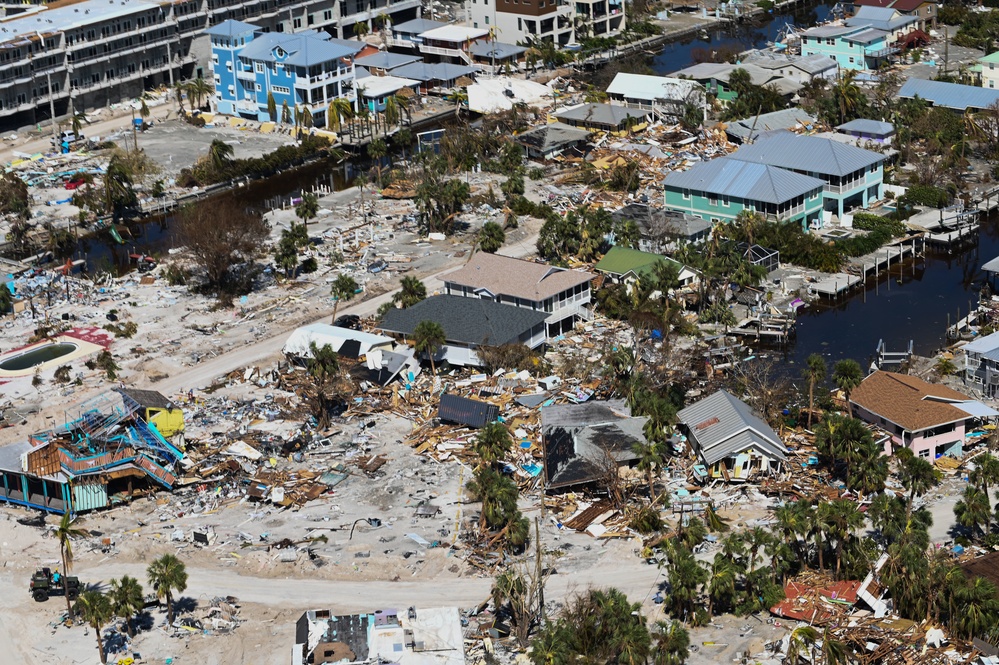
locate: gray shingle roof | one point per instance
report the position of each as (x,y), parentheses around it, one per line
(230,28)
(465,320)
(721,425)
(725,176)
(551,136)
(807,153)
(865,126)
(810,64)
(602,114)
(949,95)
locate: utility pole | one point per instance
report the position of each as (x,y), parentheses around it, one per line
(538,571)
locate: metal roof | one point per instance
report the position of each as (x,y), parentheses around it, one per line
(466,320)
(231,28)
(602,114)
(866,126)
(498,50)
(808,153)
(725,176)
(583,415)
(454,33)
(417,26)
(866,36)
(721,425)
(983,344)
(551,136)
(749,128)
(810,64)
(465,411)
(304,49)
(622,260)
(651,88)
(992,265)
(949,95)
(881,18)
(386,60)
(829,31)
(435,71)
(375,87)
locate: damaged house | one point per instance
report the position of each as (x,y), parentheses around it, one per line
(413,637)
(584,443)
(730,440)
(105,453)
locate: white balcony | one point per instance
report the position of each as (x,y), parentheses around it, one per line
(246,75)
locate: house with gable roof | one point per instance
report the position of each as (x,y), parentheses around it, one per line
(563,294)
(730,439)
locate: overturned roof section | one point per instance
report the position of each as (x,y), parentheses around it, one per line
(466,320)
(726,176)
(465,411)
(722,425)
(552,136)
(749,129)
(346,341)
(652,88)
(502,275)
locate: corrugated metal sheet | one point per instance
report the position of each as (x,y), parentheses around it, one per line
(725,176)
(464,411)
(715,423)
(949,95)
(809,154)
(89,496)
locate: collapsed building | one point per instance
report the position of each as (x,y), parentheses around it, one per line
(110,449)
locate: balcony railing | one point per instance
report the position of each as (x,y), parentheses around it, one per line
(844,188)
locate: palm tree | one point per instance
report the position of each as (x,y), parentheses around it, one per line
(428,337)
(360,29)
(917,476)
(95,608)
(271,107)
(493,443)
(498,496)
(985,474)
(377,151)
(67,531)
(800,643)
(402,140)
(840,518)
(199,89)
(847,375)
(167,574)
(76,122)
(343,288)
(127,600)
(307,208)
(411,292)
(339,111)
(393,111)
(178,91)
(972,510)
(219,154)
(491,237)
(847,95)
(285,113)
(814,373)
(651,458)
(721,583)
(672,644)
(756,539)
(834,650)
(979,608)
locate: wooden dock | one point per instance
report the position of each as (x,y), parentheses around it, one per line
(835,285)
(773,328)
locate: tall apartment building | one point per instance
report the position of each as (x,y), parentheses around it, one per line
(88,53)
(560,21)
(301,70)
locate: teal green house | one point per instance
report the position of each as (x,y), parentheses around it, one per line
(853,176)
(718,190)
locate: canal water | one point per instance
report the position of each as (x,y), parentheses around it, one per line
(756,32)
(915,302)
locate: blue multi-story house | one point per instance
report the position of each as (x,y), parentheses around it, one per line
(307,69)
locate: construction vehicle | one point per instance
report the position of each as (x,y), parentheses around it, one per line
(44,584)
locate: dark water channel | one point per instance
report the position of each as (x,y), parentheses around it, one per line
(751,33)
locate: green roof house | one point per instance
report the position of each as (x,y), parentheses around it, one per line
(990,70)
(625,265)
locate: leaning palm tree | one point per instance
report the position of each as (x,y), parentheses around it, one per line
(126,600)
(338,111)
(167,574)
(800,643)
(220,153)
(429,337)
(68,531)
(343,288)
(200,88)
(95,608)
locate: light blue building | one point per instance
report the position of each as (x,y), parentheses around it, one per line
(853,176)
(852,47)
(719,189)
(307,69)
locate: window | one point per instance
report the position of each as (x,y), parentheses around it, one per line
(215,58)
(258,67)
(712,200)
(725,201)
(298,23)
(257,87)
(228,65)
(520,24)
(487,20)
(686,195)
(218,80)
(281,90)
(475,24)
(851,59)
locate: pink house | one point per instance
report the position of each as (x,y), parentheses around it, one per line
(928,418)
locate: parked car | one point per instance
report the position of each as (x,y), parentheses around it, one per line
(352,321)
